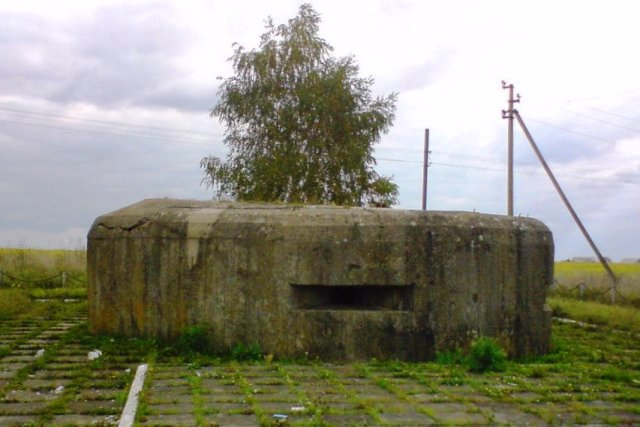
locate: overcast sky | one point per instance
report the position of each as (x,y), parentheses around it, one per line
(105,103)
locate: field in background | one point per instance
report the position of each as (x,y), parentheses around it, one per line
(38,263)
(597,285)
(41,273)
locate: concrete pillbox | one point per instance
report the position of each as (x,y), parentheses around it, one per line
(332,282)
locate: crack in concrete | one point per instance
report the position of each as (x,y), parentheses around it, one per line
(141,222)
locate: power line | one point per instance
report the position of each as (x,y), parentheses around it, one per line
(595,97)
(444,153)
(159,133)
(453,165)
(586,135)
(519,171)
(106,128)
(597,119)
(398,160)
(167,138)
(65,118)
(614,114)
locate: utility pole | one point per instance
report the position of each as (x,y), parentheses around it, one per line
(508,114)
(425,169)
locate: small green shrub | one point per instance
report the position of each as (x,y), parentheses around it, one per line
(246,352)
(195,339)
(486,355)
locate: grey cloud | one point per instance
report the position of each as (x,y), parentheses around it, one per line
(60,180)
(423,74)
(558,146)
(33,59)
(628,176)
(117,57)
(125,51)
(183,97)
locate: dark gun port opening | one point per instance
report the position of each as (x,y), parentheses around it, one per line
(352,297)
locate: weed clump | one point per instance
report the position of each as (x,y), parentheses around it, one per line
(246,352)
(195,339)
(486,355)
(453,357)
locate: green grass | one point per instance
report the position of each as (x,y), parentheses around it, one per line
(616,317)
(59,293)
(14,303)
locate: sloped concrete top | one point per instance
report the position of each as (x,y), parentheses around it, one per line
(203,215)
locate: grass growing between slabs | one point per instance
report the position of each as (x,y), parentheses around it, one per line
(592,376)
(19,304)
(47,377)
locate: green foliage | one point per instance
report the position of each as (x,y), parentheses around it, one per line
(300,123)
(617,375)
(4,351)
(14,303)
(59,293)
(195,345)
(486,355)
(246,352)
(454,357)
(195,339)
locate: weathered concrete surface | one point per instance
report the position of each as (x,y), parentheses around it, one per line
(338,283)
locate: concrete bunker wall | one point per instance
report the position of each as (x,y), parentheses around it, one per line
(338,283)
